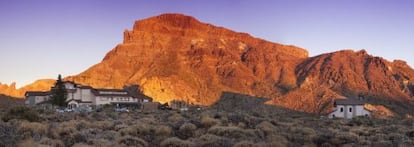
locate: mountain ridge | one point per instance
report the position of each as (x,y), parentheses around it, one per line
(177,57)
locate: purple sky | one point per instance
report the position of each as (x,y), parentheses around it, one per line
(42,38)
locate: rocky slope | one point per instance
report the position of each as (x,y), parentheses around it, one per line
(353,74)
(173,56)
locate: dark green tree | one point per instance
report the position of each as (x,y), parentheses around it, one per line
(59,93)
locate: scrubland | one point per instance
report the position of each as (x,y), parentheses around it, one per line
(210,127)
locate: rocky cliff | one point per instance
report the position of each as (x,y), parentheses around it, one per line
(173,56)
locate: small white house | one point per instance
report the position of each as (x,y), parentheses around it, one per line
(349,108)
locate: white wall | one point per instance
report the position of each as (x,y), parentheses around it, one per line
(86,94)
(30,101)
(357,110)
(69,85)
(101,100)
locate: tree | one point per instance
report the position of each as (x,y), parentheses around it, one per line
(59,93)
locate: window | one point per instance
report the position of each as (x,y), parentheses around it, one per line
(350,109)
(342,109)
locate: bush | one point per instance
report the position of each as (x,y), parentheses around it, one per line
(102,125)
(186,130)
(244,144)
(21,113)
(175,118)
(209,140)
(277,140)
(163,130)
(50,142)
(176,142)
(231,132)
(270,144)
(8,135)
(266,129)
(32,129)
(132,141)
(342,138)
(362,120)
(208,122)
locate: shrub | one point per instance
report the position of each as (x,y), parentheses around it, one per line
(97,116)
(8,135)
(207,121)
(132,141)
(232,132)
(175,118)
(50,142)
(382,143)
(342,138)
(270,144)
(136,130)
(277,140)
(163,130)
(102,142)
(358,121)
(27,143)
(410,133)
(81,145)
(176,142)
(302,135)
(103,125)
(244,144)
(32,129)
(209,140)
(21,113)
(186,130)
(266,128)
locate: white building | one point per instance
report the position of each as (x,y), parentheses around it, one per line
(86,96)
(349,108)
(36,97)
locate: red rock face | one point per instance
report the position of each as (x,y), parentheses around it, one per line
(173,56)
(357,73)
(176,57)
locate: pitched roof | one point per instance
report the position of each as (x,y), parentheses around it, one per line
(349,101)
(37,93)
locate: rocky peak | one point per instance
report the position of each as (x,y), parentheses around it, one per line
(173,20)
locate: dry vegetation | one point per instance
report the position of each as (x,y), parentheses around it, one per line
(209,127)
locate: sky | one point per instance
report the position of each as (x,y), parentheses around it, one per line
(43,38)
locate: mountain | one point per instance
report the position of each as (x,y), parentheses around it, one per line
(174,56)
(353,74)
(38,85)
(177,57)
